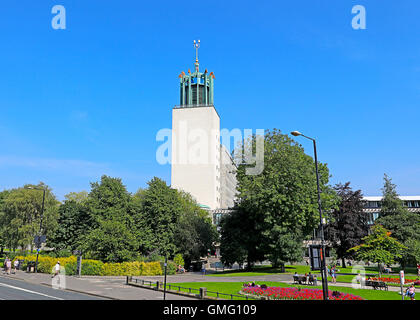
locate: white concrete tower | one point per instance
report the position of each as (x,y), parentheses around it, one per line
(196,139)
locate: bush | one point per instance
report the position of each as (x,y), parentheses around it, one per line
(89,267)
(152,269)
(65,253)
(171,267)
(179,260)
(92,267)
(45,263)
(153,257)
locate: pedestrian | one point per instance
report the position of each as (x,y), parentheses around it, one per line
(5,265)
(418,269)
(333,274)
(16,265)
(411,292)
(56,269)
(9,266)
(358,278)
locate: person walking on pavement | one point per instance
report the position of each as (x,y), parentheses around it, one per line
(333,274)
(8,266)
(411,292)
(16,265)
(5,265)
(56,269)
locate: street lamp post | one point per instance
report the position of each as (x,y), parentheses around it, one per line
(324,275)
(38,244)
(164,285)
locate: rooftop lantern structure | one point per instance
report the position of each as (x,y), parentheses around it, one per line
(197,88)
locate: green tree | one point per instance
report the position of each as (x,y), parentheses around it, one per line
(3,220)
(110,237)
(403,224)
(281,202)
(21,218)
(73,222)
(194,233)
(111,241)
(78,197)
(379,247)
(348,223)
(240,240)
(391,204)
(161,209)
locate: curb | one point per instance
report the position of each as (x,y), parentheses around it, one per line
(82,292)
(180,293)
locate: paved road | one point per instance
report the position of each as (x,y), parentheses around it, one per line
(12,289)
(25,286)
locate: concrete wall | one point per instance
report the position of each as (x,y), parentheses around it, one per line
(196,153)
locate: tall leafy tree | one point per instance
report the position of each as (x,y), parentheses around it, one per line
(194,233)
(240,240)
(379,247)
(161,210)
(280,202)
(73,222)
(391,204)
(110,237)
(348,223)
(3,221)
(78,197)
(22,213)
(403,224)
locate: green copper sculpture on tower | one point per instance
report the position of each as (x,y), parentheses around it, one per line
(197,88)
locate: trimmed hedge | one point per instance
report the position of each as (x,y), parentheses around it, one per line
(45,263)
(98,268)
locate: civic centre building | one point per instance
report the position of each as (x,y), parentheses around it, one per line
(373,206)
(200,164)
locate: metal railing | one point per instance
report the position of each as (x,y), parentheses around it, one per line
(197,292)
(188,290)
(192,106)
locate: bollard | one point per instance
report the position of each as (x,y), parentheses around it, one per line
(203,293)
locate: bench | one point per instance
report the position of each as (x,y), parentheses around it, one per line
(376,284)
(299,279)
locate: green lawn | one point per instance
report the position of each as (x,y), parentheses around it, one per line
(301,269)
(235,287)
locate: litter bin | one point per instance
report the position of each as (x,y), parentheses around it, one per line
(31,266)
(20,264)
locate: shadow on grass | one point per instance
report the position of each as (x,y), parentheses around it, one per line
(268,269)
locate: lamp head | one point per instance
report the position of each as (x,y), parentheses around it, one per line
(296,133)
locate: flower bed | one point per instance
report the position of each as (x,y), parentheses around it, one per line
(279,293)
(393,280)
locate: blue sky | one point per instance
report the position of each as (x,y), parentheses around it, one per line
(89,100)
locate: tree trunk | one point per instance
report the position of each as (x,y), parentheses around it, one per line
(343,262)
(282,269)
(249,265)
